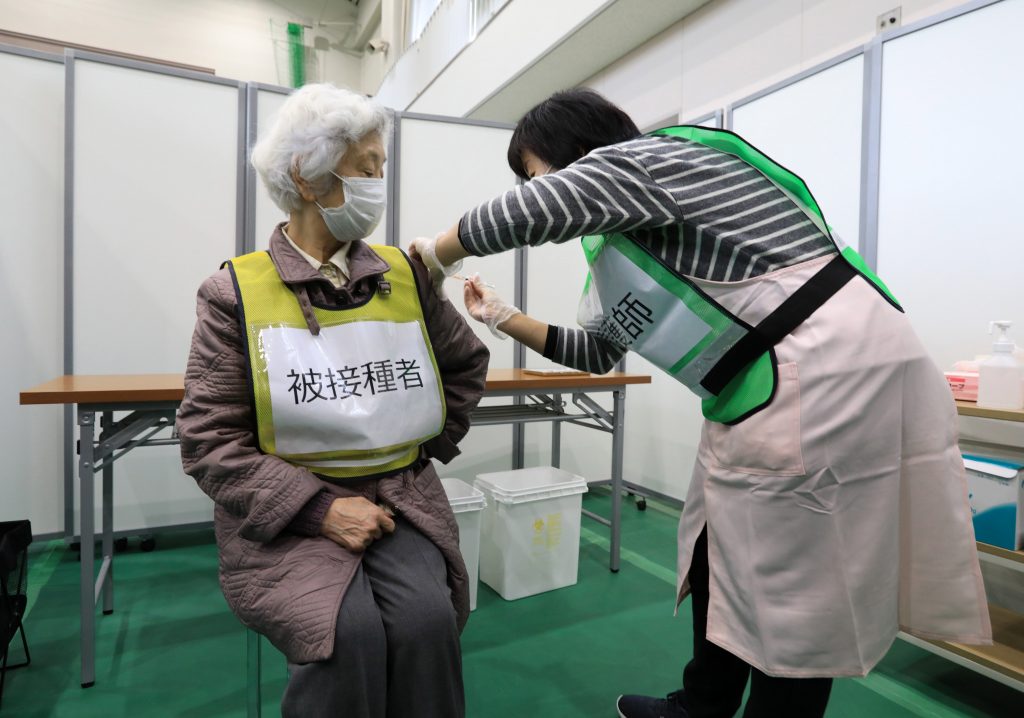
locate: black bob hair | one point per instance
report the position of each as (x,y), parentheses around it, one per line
(567,126)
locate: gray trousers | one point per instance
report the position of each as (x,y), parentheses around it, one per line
(396,648)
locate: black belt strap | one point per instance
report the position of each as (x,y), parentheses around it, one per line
(788,316)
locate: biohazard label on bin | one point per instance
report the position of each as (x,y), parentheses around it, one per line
(547,532)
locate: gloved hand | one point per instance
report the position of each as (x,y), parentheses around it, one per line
(486,306)
(425,249)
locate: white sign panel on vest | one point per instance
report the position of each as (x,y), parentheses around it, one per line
(357,386)
(657,323)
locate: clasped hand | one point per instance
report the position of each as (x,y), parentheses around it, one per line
(354,523)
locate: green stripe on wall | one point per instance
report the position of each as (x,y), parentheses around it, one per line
(296,54)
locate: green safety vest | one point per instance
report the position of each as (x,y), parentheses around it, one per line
(632,298)
(355,400)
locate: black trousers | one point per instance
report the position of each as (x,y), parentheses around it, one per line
(714,681)
(396,646)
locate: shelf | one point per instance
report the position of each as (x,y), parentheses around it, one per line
(1005,656)
(1017,557)
(969,408)
(1004,659)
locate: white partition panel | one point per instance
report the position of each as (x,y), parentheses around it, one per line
(446,169)
(813,128)
(155,163)
(713,120)
(31,280)
(949,241)
(268,214)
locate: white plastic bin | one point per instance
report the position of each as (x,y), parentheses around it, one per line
(530,530)
(467,503)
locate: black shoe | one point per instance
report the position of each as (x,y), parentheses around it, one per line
(646,707)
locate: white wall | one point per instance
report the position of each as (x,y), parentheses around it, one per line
(231,36)
(730,48)
(511,42)
(388,27)
(528,50)
(647,81)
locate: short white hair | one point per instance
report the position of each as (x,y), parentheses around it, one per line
(312,131)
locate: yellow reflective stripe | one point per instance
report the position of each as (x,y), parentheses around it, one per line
(349,463)
(383,452)
(355,472)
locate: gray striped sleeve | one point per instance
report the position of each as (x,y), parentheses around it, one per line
(608,190)
(576,349)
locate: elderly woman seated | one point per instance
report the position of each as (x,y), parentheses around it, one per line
(323,377)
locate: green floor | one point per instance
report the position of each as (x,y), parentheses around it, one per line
(173,649)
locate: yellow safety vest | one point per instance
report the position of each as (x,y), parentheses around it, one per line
(358,399)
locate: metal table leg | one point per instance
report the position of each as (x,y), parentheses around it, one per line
(619,411)
(252,671)
(518,446)
(108,524)
(556,437)
(87,596)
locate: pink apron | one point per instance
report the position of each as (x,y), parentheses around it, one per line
(838,515)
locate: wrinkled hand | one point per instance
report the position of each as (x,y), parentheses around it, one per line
(484,305)
(354,523)
(425,249)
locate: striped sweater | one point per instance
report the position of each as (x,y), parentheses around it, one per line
(704,213)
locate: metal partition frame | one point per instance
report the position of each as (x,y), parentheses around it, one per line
(70,58)
(712,119)
(872,125)
(781,84)
(90,591)
(872,114)
(967,7)
(69,412)
(251,130)
(394,168)
(870,145)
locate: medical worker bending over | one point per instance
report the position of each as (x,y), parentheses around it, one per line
(324,375)
(828,505)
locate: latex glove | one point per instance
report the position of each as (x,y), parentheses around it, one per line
(424,248)
(486,306)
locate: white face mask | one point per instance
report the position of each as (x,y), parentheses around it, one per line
(365,201)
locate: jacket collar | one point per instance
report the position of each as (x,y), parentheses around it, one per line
(363,262)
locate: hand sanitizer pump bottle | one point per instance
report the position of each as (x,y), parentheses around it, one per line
(1001,376)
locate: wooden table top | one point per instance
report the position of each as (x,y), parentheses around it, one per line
(498,379)
(130,388)
(970,408)
(102,388)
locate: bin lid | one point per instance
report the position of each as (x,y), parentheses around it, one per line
(992,467)
(462,496)
(533,484)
